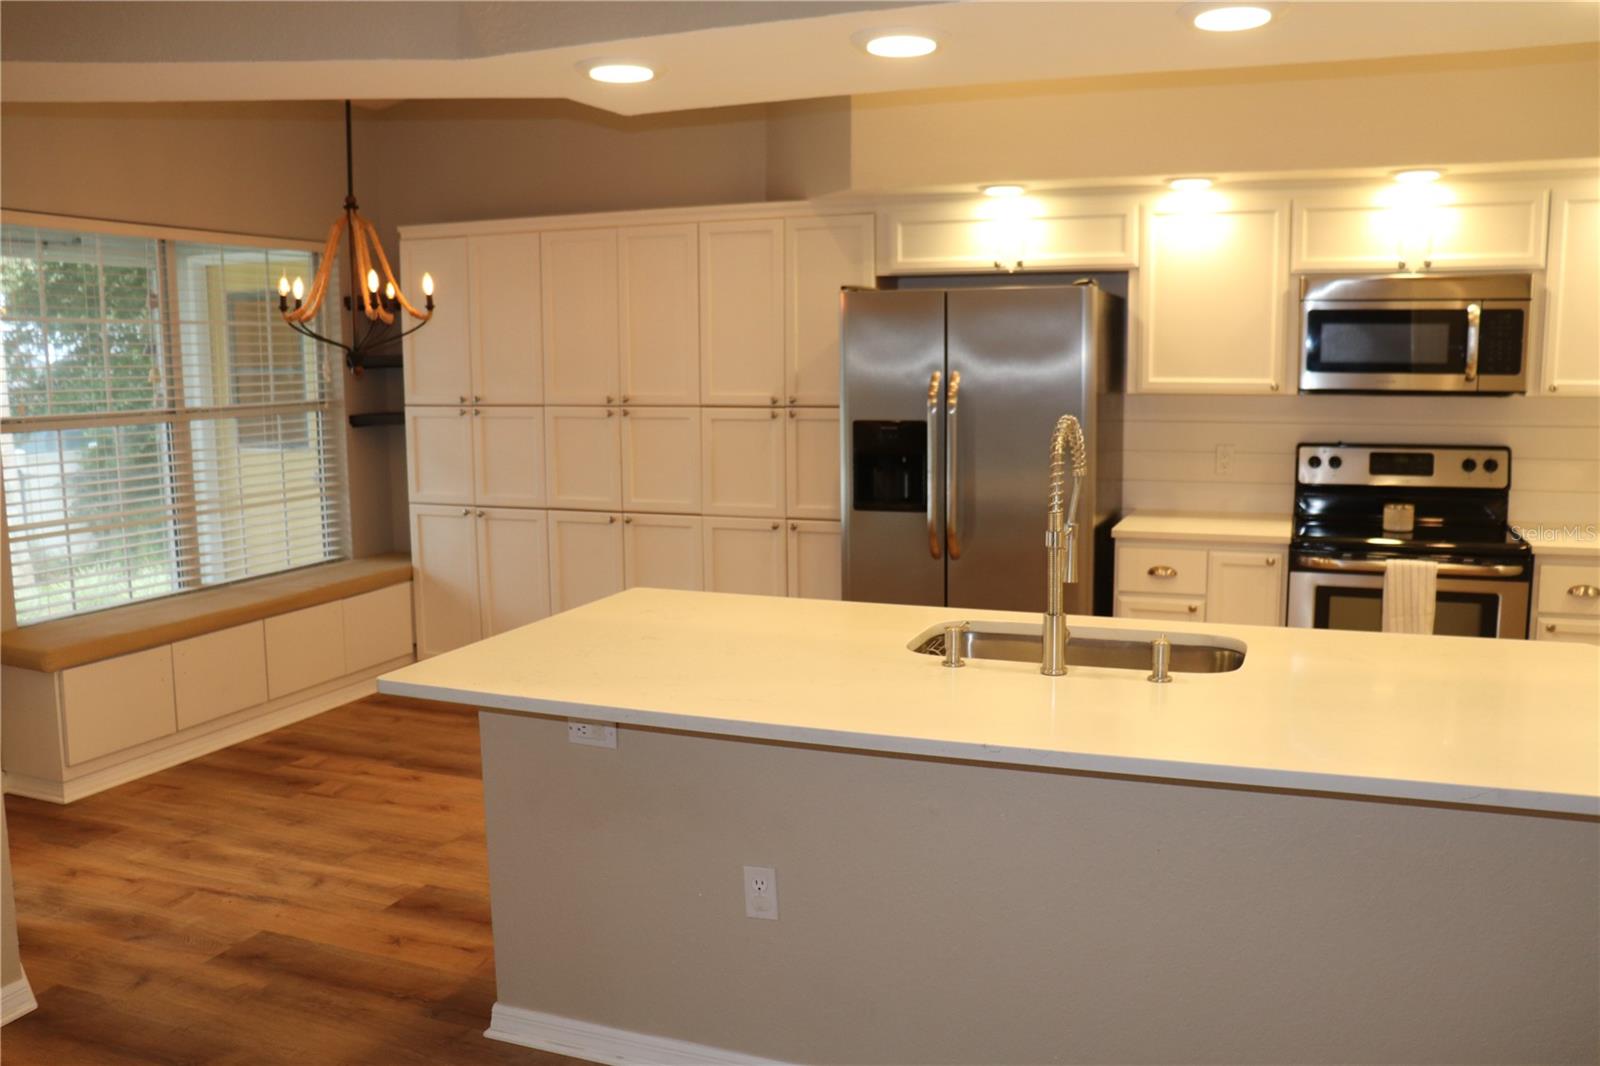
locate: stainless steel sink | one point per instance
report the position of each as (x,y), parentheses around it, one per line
(1118,649)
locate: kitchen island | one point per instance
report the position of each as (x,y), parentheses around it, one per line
(1355,847)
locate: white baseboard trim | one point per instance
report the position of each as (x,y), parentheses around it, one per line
(603,1044)
(363,684)
(16,999)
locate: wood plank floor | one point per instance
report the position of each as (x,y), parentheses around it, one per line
(315,895)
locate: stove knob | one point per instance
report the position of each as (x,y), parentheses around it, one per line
(1314,462)
(1335,462)
(1491,465)
(1469,465)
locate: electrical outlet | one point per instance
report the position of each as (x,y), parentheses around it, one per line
(594,734)
(761,892)
(1224,460)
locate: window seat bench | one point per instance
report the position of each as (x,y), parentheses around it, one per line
(90,702)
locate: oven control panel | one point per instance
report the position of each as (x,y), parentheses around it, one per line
(1400,465)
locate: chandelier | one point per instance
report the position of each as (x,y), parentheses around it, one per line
(365,258)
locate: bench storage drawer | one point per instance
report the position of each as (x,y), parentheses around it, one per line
(117,703)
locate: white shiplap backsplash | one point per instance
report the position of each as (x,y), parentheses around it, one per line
(1171,447)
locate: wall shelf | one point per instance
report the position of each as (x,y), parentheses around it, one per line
(377,418)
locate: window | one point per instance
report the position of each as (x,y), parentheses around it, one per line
(161,429)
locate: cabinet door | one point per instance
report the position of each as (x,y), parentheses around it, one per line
(745,555)
(444,561)
(743,464)
(1161,608)
(662,552)
(579,286)
(741,312)
(216,674)
(1462,226)
(508,456)
(1245,587)
(660,296)
(822,255)
(814,568)
(439,454)
(661,459)
(812,448)
(583,458)
(304,648)
(1213,289)
(377,627)
(1572,338)
(436,361)
(513,569)
(507,337)
(585,558)
(1567,630)
(116,703)
(979,233)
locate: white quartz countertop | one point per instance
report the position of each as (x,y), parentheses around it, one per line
(1498,723)
(1212,528)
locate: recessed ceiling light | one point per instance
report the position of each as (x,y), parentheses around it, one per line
(897,44)
(1416,177)
(1189,184)
(1004,191)
(619,73)
(1232,18)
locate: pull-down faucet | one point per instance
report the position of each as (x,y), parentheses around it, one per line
(1060,539)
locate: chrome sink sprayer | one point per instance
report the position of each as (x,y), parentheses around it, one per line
(1060,539)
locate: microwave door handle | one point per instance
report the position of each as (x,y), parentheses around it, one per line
(1474,313)
(933,465)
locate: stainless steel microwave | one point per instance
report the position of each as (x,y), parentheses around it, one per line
(1464,333)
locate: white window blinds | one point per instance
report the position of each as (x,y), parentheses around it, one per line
(161,429)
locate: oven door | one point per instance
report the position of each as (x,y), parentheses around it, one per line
(1467,607)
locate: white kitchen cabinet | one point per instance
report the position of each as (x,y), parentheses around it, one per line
(583,458)
(1569,631)
(1213,292)
(585,557)
(662,551)
(1571,365)
(1566,598)
(1161,608)
(982,233)
(377,627)
(741,312)
(1246,587)
(812,452)
(814,567)
(661,459)
(116,703)
(580,309)
(508,456)
(743,464)
(513,569)
(304,648)
(436,364)
(745,555)
(1448,226)
(506,335)
(444,559)
(439,454)
(660,308)
(217,674)
(822,255)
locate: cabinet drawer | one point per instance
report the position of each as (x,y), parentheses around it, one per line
(116,703)
(1562,588)
(377,627)
(304,648)
(1158,568)
(1570,630)
(1163,608)
(219,673)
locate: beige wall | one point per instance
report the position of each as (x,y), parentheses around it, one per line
(1533,104)
(808,148)
(940,912)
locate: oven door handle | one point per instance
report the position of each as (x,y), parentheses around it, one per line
(1378,566)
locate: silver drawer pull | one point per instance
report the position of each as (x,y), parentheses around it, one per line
(1584,592)
(1162,571)
(1549,627)
(1194,608)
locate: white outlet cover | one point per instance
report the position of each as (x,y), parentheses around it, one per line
(594,734)
(761,892)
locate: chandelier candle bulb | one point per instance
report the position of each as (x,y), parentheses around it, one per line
(283,285)
(299,290)
(372,281)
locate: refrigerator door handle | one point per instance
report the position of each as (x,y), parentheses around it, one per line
(933,464)
(951,472)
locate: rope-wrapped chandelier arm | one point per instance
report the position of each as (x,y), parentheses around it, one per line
(306,310)
(388,275)
(371,305)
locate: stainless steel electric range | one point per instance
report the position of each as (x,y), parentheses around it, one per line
(1356,506)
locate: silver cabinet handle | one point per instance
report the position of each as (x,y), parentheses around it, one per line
(1272,560)
(1377,566)
(1549,627)
(774,400)
(794,527)
(777,525)
(611,519)
(933,464)
(794,400)
(476,411)
(461,399)
(1584,592)
(1194,608)
(624,412)
(627,520)
(1162,571)
(460,411)
(1473,314)
(772,414)
(624,399)
(477,399)
(608,412)
(480,512)
(608,399)
(952,470)
(466,510)
(792,414)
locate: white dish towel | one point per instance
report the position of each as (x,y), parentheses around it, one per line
(1410,592)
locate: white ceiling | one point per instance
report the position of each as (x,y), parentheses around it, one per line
(706,55)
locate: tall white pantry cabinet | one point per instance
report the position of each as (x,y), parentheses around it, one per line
(597,407)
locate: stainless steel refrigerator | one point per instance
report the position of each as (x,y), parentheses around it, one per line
(948,402)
